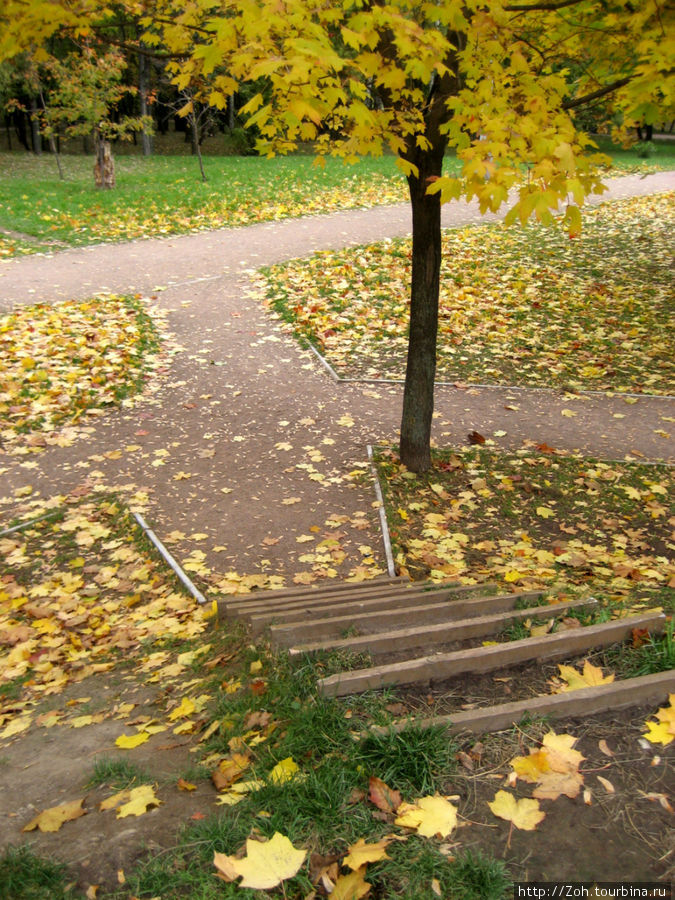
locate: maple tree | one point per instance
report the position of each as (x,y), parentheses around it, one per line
(490,79)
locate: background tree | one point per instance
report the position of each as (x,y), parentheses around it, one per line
(84,90)
(486,77)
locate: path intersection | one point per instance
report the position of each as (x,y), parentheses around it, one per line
(245,447)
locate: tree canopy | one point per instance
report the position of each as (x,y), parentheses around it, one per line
(497,80)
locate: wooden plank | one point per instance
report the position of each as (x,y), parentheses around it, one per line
(442,633)
(644,689)
(233,603)
(486,659)
(346,607)
(402,594)
(391,616)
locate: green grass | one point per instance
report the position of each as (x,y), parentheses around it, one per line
(116,773)
(416,871)
(414,760)
(656,654)
(163,195)
(26,876)
(661,154)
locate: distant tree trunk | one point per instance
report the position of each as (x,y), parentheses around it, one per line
(418,394)
(143,90)
(104,167)
(230,113)
(196,145)
(36,137)
(20,125)
(8,127)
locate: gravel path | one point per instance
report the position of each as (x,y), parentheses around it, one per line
(244,420)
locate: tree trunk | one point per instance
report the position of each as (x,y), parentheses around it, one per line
(104,167)
(196,145)
(418,395)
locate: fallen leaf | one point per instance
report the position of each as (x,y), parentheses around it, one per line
(53,818)
(129,741)
(361,853)
(429,816)
(352,886)
(525,814)
(382,796)
(268,863)
(140,800)
(608,786)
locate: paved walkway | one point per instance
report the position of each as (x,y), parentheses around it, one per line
(241,391)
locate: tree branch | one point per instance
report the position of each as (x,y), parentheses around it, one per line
(601,92)
(542,7)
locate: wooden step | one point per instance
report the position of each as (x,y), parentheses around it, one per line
(236,604)
(357,607)
(336,598)
(430,636)
(401,591)
(390,616)
(440,666)
(644,689)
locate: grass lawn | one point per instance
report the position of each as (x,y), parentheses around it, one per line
(525,306)
(164,194)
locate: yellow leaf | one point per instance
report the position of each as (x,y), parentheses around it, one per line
(267,864)
(255,667)
(429,816)
(129,741)
(224,864)
(658,733)
(361,853)
(140,800)
(589,677)
(283,771)
(531,768)
(352,886)
(186,708)
(525,814)
(52,819)
(545,512)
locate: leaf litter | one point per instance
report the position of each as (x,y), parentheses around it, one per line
(517,306)
(63,363)
(474,518)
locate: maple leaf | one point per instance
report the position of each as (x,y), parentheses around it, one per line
(230,770)
(53,818)
(429,816)
(589,677)
(524,814)
(140,800)
(382,796)
(284,771)
(265,865)
(659,733)
(361,853)
(554,768)
(352,886)
(129,741)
